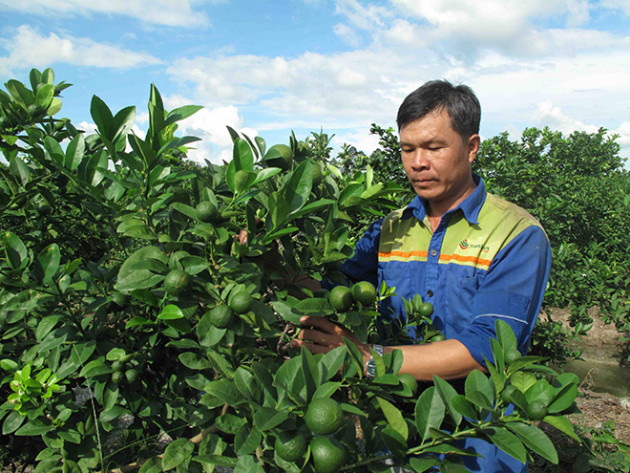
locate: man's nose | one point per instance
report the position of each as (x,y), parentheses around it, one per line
(419,160)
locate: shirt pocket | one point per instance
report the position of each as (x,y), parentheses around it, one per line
(460,294)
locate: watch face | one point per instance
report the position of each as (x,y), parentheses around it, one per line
(370,368)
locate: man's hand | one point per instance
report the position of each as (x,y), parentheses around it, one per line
(320,335)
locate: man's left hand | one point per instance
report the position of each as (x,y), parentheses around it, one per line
(320,335)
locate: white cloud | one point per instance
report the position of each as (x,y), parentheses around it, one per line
(548,114)
(30,49)
(616,5)
(211,126)
(347,34)
(161,12)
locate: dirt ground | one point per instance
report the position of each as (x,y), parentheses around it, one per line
(601,345)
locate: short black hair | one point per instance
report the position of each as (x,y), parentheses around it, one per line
(459,101)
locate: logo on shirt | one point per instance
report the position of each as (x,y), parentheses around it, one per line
(464,245)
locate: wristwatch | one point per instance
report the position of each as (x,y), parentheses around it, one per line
(370,365)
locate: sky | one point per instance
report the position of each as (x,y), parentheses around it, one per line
(267,67)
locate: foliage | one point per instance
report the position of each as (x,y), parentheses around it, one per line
(107,360)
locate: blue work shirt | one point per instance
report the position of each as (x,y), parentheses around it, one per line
(487,259)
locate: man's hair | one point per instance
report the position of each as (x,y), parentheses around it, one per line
(459,101)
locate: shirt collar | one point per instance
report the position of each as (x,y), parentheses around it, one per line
(470,207)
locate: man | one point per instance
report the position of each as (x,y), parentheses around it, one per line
(475,257)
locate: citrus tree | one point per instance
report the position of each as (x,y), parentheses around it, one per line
(139,332)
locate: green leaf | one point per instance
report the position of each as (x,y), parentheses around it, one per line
(44,95)
(16,251)
(75,152)
(248,464)
(535,439)
(95,368)
(465,407)
(47,263)
(20,93)
(170,312)
(12,422)
(505,335)
(447,393)
(122,123)
(193,361)
(479,389)
(266,418)
(181,113)
(34,427)
(421,465)
(394,417)
(298,188)
(102,116)
(19,169)
(563,425)
(178,451)
(242,155)
(225,390)
(152,465)
(333,361)
(246,440)
(507,441)
(429,412)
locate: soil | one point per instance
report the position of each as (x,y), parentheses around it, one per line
(601,347)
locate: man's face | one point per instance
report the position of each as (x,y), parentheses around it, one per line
(437,161)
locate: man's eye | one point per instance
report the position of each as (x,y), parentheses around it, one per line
(434,148)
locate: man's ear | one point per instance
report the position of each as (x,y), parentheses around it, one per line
(472,146)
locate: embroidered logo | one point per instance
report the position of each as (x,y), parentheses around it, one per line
(464,245)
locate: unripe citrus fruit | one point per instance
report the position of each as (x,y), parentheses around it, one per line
(426,309)
(279,156)
(221,316)
(364,292)
(328,454)
(438,337)
(536,410)
(340,298)
(241,302)
(290,445)
(206,210)
(131,375)
(324,416)
(176,281)
(117,376)
(241,177)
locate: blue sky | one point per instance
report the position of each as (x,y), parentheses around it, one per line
(269,67)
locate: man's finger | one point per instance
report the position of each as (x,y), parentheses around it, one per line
(323,324)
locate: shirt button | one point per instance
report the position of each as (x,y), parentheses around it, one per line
(430,293)
(433,252)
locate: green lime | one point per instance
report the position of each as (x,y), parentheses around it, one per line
(426,309)
(206,211)
(241,178)
(290,445)
(324,416)
(438,337)
(340,298)
(279,156)
(221,316)
(131,375)
(512,355)
(176,281)
(241,302)
(536,410)
(328,454)
(364,293)
(117,376)
(408,380)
